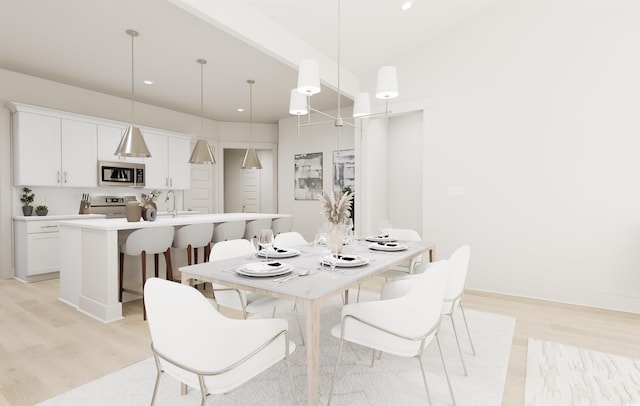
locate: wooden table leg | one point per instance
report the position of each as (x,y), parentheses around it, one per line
(312,342)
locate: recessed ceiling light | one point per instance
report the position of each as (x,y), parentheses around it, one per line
(147,82)
(406,5)
(240,110)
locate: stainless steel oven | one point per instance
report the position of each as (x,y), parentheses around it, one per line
(120,174)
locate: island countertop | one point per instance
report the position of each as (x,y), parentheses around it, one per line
(180,220)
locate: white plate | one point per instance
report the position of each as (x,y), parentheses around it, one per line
(380,238)
(388,246)
(262,269)
(281,253)
(345,263)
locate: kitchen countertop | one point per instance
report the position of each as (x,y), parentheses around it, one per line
(122,223)
(53,217)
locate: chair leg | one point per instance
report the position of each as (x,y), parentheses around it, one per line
(158,375)
(189,257)
(143,260)
(167,258)
(335,369)
(121,276)
(466,325)
(195,256)
(424,378)
(446,371)
(455,333)
(155,265)
(207,252)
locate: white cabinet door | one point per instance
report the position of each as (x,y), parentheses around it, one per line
(37,149)
(179,171)
(108,140)
(79,154)
(156,168)
(44,253)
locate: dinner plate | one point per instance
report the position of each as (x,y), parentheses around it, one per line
(264,269)
(346,261)
(380,238)
(280,253)
(387,246)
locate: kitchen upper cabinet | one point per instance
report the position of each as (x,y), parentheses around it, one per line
(168,167)
(108,140)
(52,151)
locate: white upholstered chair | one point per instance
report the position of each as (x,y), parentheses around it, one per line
(253,227)
(281,225)
(205,350)
(403,323)
(153,240)
(289,240)
(229,230)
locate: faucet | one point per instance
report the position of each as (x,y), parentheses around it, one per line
(174,210)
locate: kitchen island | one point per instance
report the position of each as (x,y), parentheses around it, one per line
(89,252)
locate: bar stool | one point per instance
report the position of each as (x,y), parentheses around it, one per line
(230,230)
(253,227)
(153,240)
(281,225)
(193,236)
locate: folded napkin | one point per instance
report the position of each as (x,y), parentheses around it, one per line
(263,266)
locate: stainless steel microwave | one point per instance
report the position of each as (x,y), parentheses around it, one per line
(120,174)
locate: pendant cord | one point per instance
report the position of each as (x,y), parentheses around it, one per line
(338,58)
(133,100)
(201,97)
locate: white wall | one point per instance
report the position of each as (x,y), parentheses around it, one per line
(533,139)
(319,138)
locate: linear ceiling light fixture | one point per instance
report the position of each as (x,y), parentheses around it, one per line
(132,142)
(202,153)
(251,159)
(309,84)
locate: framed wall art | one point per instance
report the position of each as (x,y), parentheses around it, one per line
(307,176)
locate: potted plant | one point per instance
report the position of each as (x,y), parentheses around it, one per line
(26,200)
(42,210)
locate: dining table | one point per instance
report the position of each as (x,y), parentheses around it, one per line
(310,283)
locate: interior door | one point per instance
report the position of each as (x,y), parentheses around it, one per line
(251,191)
(200,196)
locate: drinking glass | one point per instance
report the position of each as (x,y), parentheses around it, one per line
(265,240)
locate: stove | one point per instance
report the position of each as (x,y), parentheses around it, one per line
(111,206)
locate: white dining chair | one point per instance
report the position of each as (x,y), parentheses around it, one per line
(195,344)
(289,239)
(403,323)
(249,303)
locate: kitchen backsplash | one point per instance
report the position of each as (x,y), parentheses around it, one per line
(67,200)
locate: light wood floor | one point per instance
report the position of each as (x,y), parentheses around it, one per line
(47,347)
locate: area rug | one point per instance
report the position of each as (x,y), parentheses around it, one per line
(392,380)
(559,374)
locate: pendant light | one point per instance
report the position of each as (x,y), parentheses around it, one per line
(202,153)
(132,143)
(251,160)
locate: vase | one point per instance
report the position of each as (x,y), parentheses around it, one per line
(335,239)
(133,211)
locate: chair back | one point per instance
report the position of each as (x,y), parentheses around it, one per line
(153,240)
(253,227)
(282,225)
(427,296)
(459,262)
(196,235)
(229,230)
(288,240)
(231,249)
(403,234)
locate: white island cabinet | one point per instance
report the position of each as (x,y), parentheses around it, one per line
(89,258)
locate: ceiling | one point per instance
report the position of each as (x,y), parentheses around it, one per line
(83,43)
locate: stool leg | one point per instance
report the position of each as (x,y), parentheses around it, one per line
(121,276)
(167,257)
(207,252)
(189,254)
(155,266)
(143,260)
(195,254)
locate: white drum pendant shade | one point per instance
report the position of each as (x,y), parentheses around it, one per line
(132,144)
(387,87)
(361,105)
(297,103)
(308,77)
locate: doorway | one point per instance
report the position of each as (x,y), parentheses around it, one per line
(248,190)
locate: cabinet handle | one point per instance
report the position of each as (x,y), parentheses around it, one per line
(48,226)
(58,177)
(65,176)
(170,181)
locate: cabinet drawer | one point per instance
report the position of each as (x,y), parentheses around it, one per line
(42,226)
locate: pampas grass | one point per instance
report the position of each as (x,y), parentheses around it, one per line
(336,208)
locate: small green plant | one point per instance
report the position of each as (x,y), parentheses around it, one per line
(27,196)
(42,207)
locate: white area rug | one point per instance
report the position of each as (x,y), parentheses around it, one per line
(393,380)
(560,374)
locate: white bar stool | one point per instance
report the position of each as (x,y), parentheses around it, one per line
(281,225)
(253,227)
(153,240)
(194,236)
(230,230)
